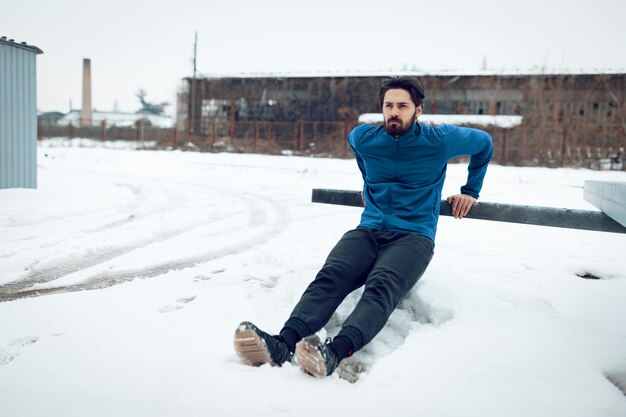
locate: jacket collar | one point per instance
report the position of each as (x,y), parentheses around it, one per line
(414,131)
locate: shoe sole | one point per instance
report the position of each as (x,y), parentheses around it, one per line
(310,359)
(250,347)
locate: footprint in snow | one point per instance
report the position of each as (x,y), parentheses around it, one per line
(199,278)
(13,349)
(180,303)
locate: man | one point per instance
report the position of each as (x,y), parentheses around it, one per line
(403,164)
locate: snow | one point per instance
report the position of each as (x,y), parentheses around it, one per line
(503,121)
(119,119)
(145,262)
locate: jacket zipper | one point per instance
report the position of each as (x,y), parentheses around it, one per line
(395,173)
(395,162)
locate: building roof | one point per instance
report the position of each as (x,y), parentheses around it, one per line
(23,45)
(416,73)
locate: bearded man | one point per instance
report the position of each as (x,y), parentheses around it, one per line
(403,164)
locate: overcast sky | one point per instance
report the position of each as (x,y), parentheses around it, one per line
(149,44)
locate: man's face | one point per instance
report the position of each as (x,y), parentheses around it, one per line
(399,111)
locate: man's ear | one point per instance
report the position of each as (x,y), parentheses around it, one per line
(418,111)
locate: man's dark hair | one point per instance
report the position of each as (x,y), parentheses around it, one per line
(405,82)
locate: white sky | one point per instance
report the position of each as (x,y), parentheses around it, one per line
(149,44)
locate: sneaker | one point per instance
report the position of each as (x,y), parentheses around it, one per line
(255,347)
(316,358)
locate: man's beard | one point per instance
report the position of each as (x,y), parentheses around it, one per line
(398,128)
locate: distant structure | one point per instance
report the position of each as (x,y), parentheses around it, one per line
(86,117)
(18,114)
(156,109)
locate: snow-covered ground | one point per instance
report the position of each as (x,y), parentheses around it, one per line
(139,265)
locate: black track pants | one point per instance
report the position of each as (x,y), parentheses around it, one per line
(389,264)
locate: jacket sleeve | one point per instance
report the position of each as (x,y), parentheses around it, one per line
(463,141)
(352,137)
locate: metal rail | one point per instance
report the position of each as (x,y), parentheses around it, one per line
(510,213)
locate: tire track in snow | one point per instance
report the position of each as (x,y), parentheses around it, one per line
(76,262)
(258,219)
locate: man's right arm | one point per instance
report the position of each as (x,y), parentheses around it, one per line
(352,141)
(352,137)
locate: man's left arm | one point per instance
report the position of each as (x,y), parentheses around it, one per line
(479,146)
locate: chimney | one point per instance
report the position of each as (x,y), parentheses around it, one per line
(85,112)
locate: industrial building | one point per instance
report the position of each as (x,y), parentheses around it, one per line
(564,119)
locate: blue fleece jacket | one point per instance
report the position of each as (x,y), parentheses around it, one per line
(403,177)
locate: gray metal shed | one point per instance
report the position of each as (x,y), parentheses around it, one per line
(18,114)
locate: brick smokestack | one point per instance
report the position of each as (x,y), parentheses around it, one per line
(85,112)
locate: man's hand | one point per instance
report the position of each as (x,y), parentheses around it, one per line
(461,204)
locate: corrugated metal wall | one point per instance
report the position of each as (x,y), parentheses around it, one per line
(18,116)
